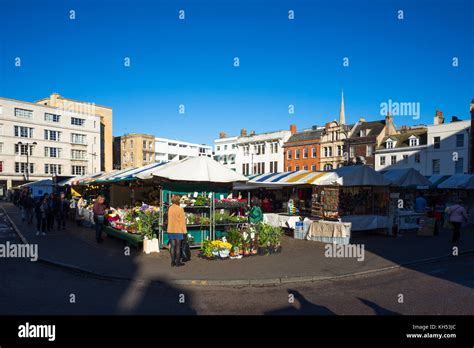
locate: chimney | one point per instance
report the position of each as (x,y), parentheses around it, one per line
(252,132)
(243,132)
(361,120)
(222,135)
(439,118)
(454,119)
(342,112)
(293,128)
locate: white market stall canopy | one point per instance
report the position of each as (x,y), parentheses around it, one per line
(353,176)
(78,180)
(407,177)
(458,181)
(128,174)
(196,169)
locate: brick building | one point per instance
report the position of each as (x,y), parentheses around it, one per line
(302,150)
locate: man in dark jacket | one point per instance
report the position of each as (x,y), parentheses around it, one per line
(62,211)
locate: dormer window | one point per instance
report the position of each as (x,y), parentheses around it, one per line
(389,144)
(414,141)
(362,133)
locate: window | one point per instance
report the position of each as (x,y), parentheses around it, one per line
(313,168)
(393,160)
(330,152)
(51,117)
(54,152)
(78,170)
(405,159)
(313,152)
(225,147)
(389,144)
(459,140)
(144,144)
(79,154)
(234,146)
(53,169)
(351,151)
(131,144)
(459,166)
(78,138)
(297,168)
(1,166)
(327,167)
(21,167)
(23,150)
(369,150)
(52,135)
(305,167)
(362,133)
(417,158)
(275,167)
(263,167)
(414,141)
(382,160)
(288,154)
(274,147)
(305,152)
(23,132)
(288,169)
(1,147)
(297,154)
(339,150)
(271,167)
(218,148)
(23,113)
(435,166)
(437,142)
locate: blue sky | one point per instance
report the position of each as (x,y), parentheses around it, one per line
(282,62)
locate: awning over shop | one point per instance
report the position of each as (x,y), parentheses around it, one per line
(407,177)
(353,176)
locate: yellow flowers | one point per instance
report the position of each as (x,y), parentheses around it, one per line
(218,244)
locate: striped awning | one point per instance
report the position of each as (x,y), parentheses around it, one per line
(79,180)
(301,177)
(127,174)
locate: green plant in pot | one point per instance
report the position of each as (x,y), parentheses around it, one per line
(235,238)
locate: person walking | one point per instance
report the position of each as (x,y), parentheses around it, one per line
(29,207)
(99,209)
(456,215)
(176,230)
(41,211)
(62,211)
(50,213)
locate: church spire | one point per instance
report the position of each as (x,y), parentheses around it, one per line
(342,113)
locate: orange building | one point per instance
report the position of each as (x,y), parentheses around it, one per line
(302,150)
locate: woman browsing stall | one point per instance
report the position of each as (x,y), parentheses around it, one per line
(176,230)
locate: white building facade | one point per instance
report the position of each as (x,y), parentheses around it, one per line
(442,150)
(225,152)
(40,142)
(261,153)
(448,148)
(168,150)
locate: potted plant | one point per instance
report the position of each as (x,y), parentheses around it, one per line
(147,222)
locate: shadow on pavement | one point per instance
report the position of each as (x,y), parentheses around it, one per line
(306,307)
(378,310)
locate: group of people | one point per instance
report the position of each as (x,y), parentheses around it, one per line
(48,209)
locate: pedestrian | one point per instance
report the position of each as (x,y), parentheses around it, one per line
(41,211)
(456,215)
(99,209)
(420,203)
(61,210)
(29,207)
(50,213)
(176,230)
(23,204)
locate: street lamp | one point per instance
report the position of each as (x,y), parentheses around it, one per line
(28,145)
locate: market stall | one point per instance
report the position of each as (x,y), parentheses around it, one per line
(204,186)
